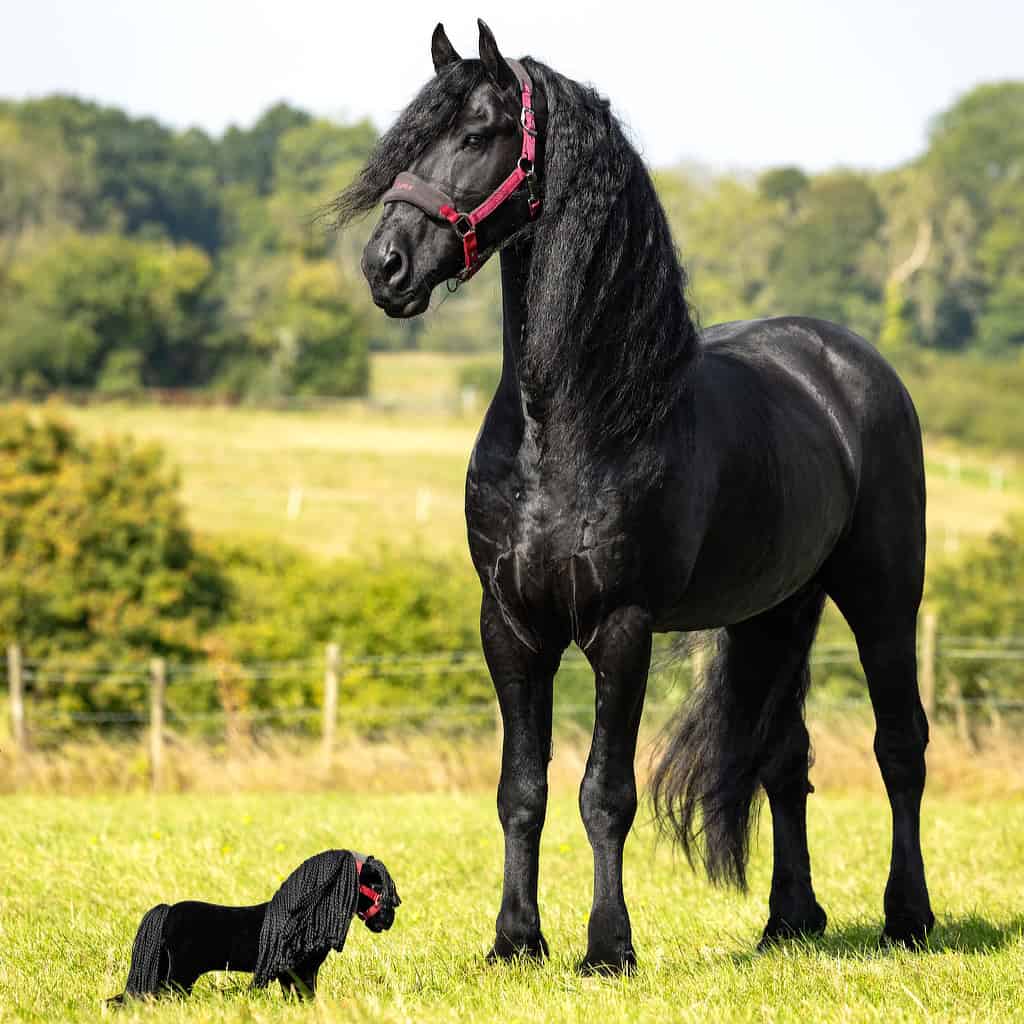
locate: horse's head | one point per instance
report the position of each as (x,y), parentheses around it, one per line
(470,185)
(378,895)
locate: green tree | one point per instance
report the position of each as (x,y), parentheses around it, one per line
(246,155)
(86,299)
(143,178)
(300,333)
(785,184)
(978,144)
(828,261)
(1001,256)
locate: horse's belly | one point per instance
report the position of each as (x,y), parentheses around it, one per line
(751,557)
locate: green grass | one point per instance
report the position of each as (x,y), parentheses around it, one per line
(371,477)
(78,874)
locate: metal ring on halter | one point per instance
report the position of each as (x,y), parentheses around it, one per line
(525,164)
(463,226)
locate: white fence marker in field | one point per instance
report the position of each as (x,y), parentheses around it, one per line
(997,478)
(158,685)
(16,689)
(954,468)
(423,501)
(294,503)
(926,661)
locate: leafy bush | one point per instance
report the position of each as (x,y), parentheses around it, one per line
(967,398)
(981,595)
(481,376)
(97,565)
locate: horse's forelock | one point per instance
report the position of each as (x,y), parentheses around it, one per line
(423,121)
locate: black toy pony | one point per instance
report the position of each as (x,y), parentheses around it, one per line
(287,938)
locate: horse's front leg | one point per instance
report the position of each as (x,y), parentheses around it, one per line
(523,682)
(620,656)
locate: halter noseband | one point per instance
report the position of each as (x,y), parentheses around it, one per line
(409,188)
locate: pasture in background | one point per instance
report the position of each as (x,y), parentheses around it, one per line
(349,477)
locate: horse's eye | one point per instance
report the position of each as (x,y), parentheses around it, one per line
(474,142)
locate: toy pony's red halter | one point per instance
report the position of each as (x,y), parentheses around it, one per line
(371,894)
(409,188)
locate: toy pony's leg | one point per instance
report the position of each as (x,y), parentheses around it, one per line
(302,981)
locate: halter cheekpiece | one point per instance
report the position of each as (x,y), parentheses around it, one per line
(409,188)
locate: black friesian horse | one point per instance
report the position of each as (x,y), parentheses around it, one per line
(635,474)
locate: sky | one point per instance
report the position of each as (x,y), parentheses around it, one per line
(732,85)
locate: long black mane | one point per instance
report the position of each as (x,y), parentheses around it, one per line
(609,336)
(609,332)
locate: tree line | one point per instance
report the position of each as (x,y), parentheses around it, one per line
(133,255)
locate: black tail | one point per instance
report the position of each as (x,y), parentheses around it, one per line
(711,756)
(150,963)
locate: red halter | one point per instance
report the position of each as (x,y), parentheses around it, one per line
(409,188)
(371,894)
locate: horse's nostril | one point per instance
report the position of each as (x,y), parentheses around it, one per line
(393,267)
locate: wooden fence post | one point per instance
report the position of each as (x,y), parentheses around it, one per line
(15,683)
(330,703)
(157,687)
(963,724)
(926,660)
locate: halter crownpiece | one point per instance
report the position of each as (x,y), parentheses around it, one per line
(437,204)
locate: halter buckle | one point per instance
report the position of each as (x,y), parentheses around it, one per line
(463,226)
(525,112)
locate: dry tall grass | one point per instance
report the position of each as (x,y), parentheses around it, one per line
(991,764)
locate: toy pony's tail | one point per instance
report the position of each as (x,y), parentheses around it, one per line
(150,967)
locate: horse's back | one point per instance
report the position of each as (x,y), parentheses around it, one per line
(818,354)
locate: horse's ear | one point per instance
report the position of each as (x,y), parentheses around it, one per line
(494,64)
(441,49)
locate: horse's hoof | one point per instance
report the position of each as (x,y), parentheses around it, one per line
(607,966)
(907,932)
(504,949)
(780,929)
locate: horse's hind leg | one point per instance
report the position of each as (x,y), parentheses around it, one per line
(875,579)
(793,910)
(768,655)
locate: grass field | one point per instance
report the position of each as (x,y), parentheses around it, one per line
(78,874)
(356,477)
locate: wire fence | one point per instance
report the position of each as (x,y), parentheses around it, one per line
(964,679)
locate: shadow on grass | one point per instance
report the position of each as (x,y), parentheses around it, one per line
(969,933)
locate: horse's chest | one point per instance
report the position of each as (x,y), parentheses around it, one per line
(550,554)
